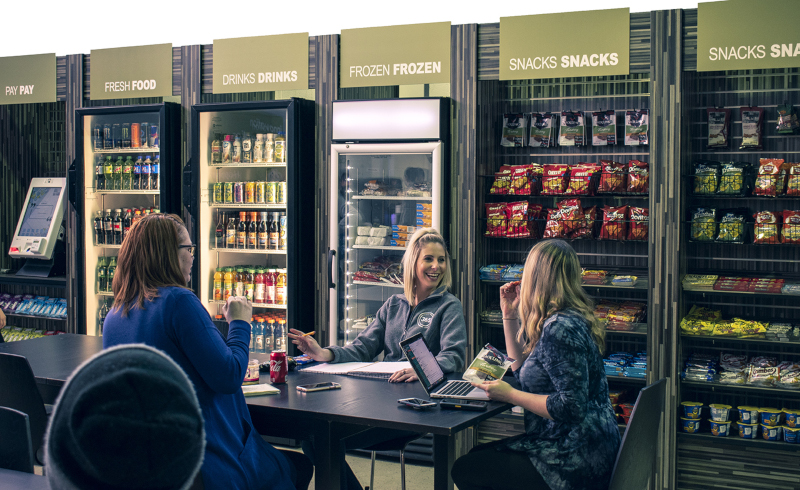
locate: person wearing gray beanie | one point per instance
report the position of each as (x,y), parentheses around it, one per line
(128,418)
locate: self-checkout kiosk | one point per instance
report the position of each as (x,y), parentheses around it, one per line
(39,236)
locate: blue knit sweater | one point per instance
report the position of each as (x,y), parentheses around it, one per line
(176,323)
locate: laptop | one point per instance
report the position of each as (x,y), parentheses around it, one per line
(430,373)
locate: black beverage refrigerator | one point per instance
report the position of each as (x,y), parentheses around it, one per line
(127,158)
(251,198)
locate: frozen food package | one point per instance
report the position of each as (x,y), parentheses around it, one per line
(752,128)
(771,177)
(766,230)
(612,177)
(731,225)
(572,129)
(787,119)
(604,128)
(704,224)
(513,130)
(719,127)
(542,129)
(637,123)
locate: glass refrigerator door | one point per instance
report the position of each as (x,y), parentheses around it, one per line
(384,193)
(243,212)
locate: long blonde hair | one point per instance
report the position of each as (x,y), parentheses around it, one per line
(551,282)
(419,239)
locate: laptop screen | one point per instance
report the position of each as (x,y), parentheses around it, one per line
(423,361)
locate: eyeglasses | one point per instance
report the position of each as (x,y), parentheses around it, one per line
(190,247)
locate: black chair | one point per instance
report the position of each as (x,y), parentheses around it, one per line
(16,449)
(398,444)
(18,390)
(637,453)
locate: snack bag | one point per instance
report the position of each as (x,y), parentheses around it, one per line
(767,227)
(554,228)
(793,184)
(554,179)
(513,130)
(612,177)
(732,178)
(638,177)
(534,215)
(520,184)
(731,226)
(582,179)
(752,128)
(636,125)
(536,173)
(719,124)
(489,365)
(542,130)
(791,227)
(496,222)
(706,177)
(787,119)
(604,128)
(572,129)
(585,228)
(571,215)
(704,224)
(518,220)
(615,226)
(639,224)
(502,180)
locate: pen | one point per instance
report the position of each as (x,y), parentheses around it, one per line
(309,333)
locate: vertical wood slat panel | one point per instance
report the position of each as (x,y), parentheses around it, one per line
(76,319)
(191,90)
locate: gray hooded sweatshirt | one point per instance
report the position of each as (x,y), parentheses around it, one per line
(439,317)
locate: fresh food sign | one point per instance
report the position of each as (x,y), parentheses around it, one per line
(138,71)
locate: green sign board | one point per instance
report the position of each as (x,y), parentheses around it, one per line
(397,55)
(740,35)
(137,71)
(573,44)
(28,79)
(260,64)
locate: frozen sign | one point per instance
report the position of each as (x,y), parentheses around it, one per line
(28,79)
(137,71)
(260,64)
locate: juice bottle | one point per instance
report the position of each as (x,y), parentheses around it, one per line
(238,281)
(280,287)
(230,232)
(226,148)
(269,335)
(252,231)
(263,232)
(236,156)
(269,287)
(249,283)
(258,281)
(218,277)
(280,148)
(118,174)
(216,149)
(227,283)
(241,231)
(112,269)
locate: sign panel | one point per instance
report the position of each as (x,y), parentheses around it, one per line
(573,44)
(137,71)
(740,35)
(28,79)
(397,55)
(260,64)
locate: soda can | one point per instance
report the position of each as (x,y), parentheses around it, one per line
(228,189)
(135,135)
(277,367)
(144,132)
(116,132)
(282,232)
(153,139)
(271,192)
(249,192)
(238,193)
(126,135)
(280,195)
(218,193)
(108,139)
(261,192)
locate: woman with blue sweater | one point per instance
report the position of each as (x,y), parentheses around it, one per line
(571,436)
(153,306)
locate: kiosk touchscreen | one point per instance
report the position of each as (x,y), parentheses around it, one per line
(39,227)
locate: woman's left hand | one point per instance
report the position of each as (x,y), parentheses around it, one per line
(497,390)
(406,375)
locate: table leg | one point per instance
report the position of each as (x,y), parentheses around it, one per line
(327,454)
(444,449)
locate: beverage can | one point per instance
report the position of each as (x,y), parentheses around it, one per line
(250,192)
(280,195)
(144,133)
(218,196)
(153,138)
(116,131)
(272,190)
(126,135)
(261,192)
(238,193)
(135,135)
(228,188)
(108,139)
(282,241)
(277,367)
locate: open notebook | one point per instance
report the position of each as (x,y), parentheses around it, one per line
(382,370)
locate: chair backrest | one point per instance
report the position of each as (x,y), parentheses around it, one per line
(18,390)
(16,450)
(637,453)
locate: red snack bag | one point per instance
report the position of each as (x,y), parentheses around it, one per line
(586,227)
(767,227)
(536,173)
(554,179)
(791,227)
(520,181)
(638,177)
(639,224)
(582,179)
(793,186)
(612,177)
(571,215)
(770,178)
(502,180)
(534,214)
(518,220)
(554,228)
(615,226)
(496,222)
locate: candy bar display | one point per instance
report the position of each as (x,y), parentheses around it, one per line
(34,306)
(625,364)
(620,316)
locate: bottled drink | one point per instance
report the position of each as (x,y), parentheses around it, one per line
(258,281)
(252,231)
(260,338)
(101,316)
(137,215)
(253,333)
(280,148)
(127,222)
(152,138)
(216,149)
(112,270)
(282,237)
(269,336)
(241,231)
(116,131)
(146,169)
(281,327)
(108,139)
(118,227)
(218,280)
(118,174)
(97,136)
(126,135)
(108,173)
(238,281)
(230,233)
(137,174)
(273,232)
(154,173)
(236,153)
(227,149)
(219,233)
(108,227)
(99,178)
(269,149)
(249,283)
(247,148)
(127,174)
(99,234)
(280,287)
(269,286)
(227,284)
(102,275)
(263,233)
(258,149)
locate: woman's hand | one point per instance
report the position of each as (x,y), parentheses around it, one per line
(497,390)
(2,319)
(509,299)
(308,345)
(238,308)
(406,375)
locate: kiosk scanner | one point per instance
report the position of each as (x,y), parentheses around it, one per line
(39,236)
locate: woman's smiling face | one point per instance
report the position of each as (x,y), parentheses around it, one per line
(430,267)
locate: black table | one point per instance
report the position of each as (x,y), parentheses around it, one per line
(17,480)
(327,415)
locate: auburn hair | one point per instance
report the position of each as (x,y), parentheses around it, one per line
(147,260)
(419,239)
(551,283)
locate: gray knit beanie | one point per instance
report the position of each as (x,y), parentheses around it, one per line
(126,418)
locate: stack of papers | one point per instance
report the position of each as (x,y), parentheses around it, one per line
(260,389)
(382,370)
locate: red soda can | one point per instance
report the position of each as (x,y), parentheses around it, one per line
(277,367)
(135,135)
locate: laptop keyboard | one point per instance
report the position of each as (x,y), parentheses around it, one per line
(456,388)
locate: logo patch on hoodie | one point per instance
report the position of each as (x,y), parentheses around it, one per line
(424,320)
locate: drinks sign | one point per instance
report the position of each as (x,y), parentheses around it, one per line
(397,55)
(137,71)
(574,44)
(739,35)
(262,63)
(28,79)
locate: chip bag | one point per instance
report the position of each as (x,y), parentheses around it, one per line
(615,226)
(638,177)
(554,179)
(704,224)
(520,181)
(542,129)
(793,184)
(719,127)
(496,220)
(604,128)
(572,129)
(502,180)
(571,215)
(706,177)
(513,130)
(554,227)
(732,178)
(639,224)
(770,180)
(636,126)
(791,227)
(752,128)
(731,226)
(582,179)
(787,119)
(612,177)
(518,224)
(767,227)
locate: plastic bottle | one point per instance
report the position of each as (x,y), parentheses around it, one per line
(102,275)
(108,173)
(227,147)
(216,149)
(99,177)
(147,167)
(269,286)
(263,232)
(118,227)
(274,236)
(108,227)
(247,148)
(280,148)
(127,222)
(230,232)
(154,170)
(99,234)
(258,149)
(280,287)
(101,316)
(236,153)
(137,215)
(284,339)
(252,231)
(219,232)
(253,332)
(269,335)
(241,231)
(260,338)
(112,270)
(282,232)
(137,174)
(269,149)
(218,278)
(249,283)
(127,174)
(227,279)
(238,281)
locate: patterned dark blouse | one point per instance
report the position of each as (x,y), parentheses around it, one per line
(577,449)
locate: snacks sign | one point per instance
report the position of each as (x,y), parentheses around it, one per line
(137,71)
(28,79)
(574,44)
(281,63)
(737,35)
(396,55)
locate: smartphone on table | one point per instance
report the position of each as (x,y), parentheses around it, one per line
(327,385)
(417,403)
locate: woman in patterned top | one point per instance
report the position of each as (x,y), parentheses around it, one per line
(571,437)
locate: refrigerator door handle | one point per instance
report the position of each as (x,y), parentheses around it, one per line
(331,261)
(188,187)
(72,183)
